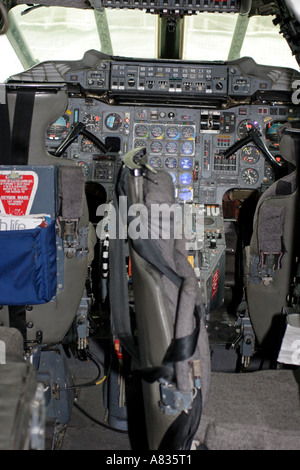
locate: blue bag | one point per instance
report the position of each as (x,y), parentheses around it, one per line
(28,266)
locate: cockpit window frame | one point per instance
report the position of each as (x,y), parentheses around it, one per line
(106,32)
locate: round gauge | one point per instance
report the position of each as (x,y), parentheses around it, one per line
(187,132)
(156,146)
(85,167)
(157,131)
(87,146)
(140,143)
(187,147)
(250,154)
(269,173)
(173,176)
(155,162)
(172,132)
(250,176)
(171,162)
(59,128)
(186,163)
(141,130)
(91,121)
(171,147)
(186,178)
(113,121)
(246,126)
(185,194)
(271,132)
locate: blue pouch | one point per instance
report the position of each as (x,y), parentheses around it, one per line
(28,266)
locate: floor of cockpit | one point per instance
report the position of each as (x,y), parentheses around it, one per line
(88,428)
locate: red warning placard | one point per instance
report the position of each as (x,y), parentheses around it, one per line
(17,191)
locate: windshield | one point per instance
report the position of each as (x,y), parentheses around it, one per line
(58,33)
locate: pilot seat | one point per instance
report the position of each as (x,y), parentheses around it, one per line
(271,267)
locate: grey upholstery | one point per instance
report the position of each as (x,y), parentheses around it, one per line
(54,318)
(164,311)
(271,253)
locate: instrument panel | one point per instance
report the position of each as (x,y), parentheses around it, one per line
(185,142)
(159,78)
(186,115)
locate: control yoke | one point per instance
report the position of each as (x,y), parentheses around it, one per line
(76,129)
(253,136)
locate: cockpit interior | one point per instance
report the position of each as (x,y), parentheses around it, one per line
(149,226)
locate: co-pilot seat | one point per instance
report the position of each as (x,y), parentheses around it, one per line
(271,254)
(173,354)
(59,191)
(41,288)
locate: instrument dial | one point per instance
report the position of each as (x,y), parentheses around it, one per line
(156,146)
(140,143)
(187,132)
(157,131)
(113,121)
(272,132)
(172,132)
(171,162)
(85,168)
(186,163)
(171,147)
(59,128)
(141,130)
(185,194)
(187,147)
(92,122)
(246,126)
(250,176)
(155,162)
(186,178)
(250,154)
(173,176)
(269,173)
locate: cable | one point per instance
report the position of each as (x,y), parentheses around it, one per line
(100,381)
(90,384)
(99,422)
(94,382)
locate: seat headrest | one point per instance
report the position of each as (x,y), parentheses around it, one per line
(289,141)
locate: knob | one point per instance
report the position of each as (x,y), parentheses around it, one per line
(213,243)
(131,82)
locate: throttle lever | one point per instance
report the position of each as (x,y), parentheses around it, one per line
(253,136)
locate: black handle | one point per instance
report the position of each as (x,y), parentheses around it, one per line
(76,129)
(253,136)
